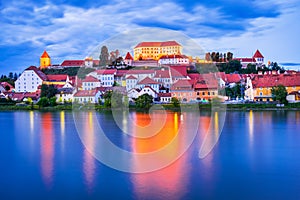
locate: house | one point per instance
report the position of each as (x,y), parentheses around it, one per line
(87,96)
(293,97)
(140,74)
(257,59)
(133,94)
(232,79)
(163,77)
(206,87)
(178,73)
(259,87)
(30,79)
(148,82)
(183,90)
(131,82)
(58,80)
(105,76)
(164,97)
(90,83)
(120,77)
(148,90)
(174,60)
(6,87)
(65,95)
(154,50)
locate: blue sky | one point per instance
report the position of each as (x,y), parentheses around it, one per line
(71,29)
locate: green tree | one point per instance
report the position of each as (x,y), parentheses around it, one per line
(279,93)
(43,102)
(175,102)
(144,101)
(107,98)
(104,56)
(52,101)
(48,91)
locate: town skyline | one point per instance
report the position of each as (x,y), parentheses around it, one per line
(71,30)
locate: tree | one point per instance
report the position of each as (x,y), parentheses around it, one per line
(43,102)
(144,101)
(7,88)
(279,93)
(104,55)
(175,102)
(15,76)
(11,75)
(48,91)
(116,100)
(107,98)
(52,101)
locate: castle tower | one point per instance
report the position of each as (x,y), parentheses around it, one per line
(45,60)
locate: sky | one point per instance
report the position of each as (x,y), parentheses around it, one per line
(74,29)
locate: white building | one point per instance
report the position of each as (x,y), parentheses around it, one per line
(148,82)
(131,82)
(87,96)
(105,76)
(30,80)
(174,60)
(163,77)
(90,83)
(65,95)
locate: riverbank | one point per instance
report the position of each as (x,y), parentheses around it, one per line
(294,106)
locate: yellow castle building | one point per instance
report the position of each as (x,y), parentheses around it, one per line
(45,60)
(154,50)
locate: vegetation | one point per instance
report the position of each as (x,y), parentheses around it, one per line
(71,71)
(279,93)
(175,102)
(144,101)
(104,56)
(236,91)
(11,78)
(48,91)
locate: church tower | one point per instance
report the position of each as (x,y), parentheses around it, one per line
(45,60)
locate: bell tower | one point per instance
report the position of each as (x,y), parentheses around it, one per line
(45,60)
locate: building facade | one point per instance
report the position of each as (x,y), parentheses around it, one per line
(154,50)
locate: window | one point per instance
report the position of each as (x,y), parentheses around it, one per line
(260,93)
(203,93)
(208,93)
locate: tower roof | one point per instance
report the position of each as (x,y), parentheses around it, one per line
(128,56)
(45,55)
(258,54)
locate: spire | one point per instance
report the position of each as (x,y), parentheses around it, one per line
(45,54)
(258,54)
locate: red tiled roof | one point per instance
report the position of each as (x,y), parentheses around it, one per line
(182,85)
(57,77)
(45,55)
(128,56)
(38,72)
(131,77)
(86,93)
(233,78)
(148,81)
(164,95)
(162,74)
(90,79)
(194,76)
(257,54)
(178,71)
(121,73)
(72,63)
(4,84)
(157,44)
(274,80)
(106,71)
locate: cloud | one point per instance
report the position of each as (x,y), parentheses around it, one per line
(70,31)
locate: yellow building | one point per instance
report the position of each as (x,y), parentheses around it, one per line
(45,60)
(154,50)
(260,87)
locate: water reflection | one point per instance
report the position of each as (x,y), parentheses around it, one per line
(169,182)
(47,148)
(250,126)
(88,159)
(62,130)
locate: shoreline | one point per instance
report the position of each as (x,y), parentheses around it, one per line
(207,107)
